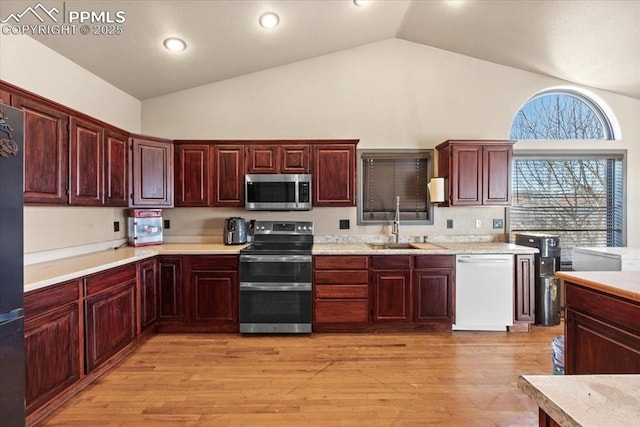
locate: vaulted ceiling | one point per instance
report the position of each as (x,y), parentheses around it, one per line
(594,43)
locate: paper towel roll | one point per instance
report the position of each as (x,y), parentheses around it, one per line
(436,189)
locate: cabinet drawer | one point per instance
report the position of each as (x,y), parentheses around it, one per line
(42,300)
(340,277)
(220,262)
(393,262)
(334,262)
(107,279)
(341,311)
(614,310)
(341,291)
(435,261)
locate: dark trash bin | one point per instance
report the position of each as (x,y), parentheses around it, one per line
(548,301)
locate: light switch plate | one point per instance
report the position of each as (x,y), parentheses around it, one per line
(449,223)
(498,223)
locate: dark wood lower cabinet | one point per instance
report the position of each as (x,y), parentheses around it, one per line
(602,333)
(171,289)
(148,286)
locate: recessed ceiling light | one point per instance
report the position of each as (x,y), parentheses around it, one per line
(360,2)
(174,44)
(269,20)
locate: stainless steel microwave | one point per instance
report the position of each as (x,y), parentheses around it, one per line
(277,192)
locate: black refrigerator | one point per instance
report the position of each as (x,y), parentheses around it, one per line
(12,357)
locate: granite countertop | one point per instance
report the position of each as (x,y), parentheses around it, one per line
(48,273)
(625,284)
(586,400)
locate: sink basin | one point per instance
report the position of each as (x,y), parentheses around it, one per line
(391,246)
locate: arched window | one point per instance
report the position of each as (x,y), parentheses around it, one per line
(561,114)
(576,194)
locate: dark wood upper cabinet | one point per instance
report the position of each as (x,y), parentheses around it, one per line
(262,158)
(116,175)
(228,167)
(295,158)
(86,153)
(5,97)
(477,172)
(193,175)
(152,172)
(46,152)
(334,174)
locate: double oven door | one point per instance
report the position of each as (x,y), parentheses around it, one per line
(275,293)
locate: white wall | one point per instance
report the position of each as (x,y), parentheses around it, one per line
(388,94)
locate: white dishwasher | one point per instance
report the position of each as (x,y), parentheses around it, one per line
(484,292)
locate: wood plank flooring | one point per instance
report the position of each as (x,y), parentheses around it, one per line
(452,379)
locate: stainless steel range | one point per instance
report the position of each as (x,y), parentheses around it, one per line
(275,278)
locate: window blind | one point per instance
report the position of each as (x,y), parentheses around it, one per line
(580,198)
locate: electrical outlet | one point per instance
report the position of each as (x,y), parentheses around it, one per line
(116,226)
(449,223)
(344,224)
(478,223)
(498,223)
(167,224)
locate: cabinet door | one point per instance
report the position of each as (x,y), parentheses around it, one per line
(148,293)
(110,324)
(192,180)
(263,158)
(229,175)
(152,173)
(496,176)
(214,299)
(5,97)
(524,291)
(86,151)
(334,175)
(433,295)
(171,289)
(46,152)
(52,361)
(466,174)
(116,175)
(295,158)
(391,296)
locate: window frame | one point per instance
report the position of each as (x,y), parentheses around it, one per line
(428,154)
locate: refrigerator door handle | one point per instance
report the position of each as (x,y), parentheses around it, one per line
(11,316)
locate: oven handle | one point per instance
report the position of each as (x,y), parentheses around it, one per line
(275,258)
(274,286)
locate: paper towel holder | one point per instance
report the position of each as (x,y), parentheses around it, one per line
(436,189)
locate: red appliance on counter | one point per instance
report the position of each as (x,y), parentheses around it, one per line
(145,227)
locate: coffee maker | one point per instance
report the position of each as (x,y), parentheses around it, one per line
(235,231)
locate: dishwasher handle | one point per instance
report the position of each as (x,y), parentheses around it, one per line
(484,261)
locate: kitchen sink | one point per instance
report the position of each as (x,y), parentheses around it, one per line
(391,246)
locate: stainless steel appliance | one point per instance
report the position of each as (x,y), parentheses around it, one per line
(275,278)
(145,227)
(547,287)
(606,259)
(277,192)
(12,356)
(235,231)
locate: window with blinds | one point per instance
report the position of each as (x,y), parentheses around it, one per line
(578,197)
(387,175)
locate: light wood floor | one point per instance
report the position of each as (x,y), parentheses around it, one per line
(451,379)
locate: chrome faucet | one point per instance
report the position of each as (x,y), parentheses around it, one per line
(395,229)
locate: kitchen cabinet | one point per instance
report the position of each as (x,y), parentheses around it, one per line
(295,158)
(391,288)
(477,172)
(524,310)
(5,97)
(148,293)
(213,293)
(110,313)
(152,172)
(193,175)
(52,342)
(278,157)
(334,173)
(602,332)
(228,172)
(434,290)
(46,151)
(341,292)
(116,168)
(86,160)
(171,289)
